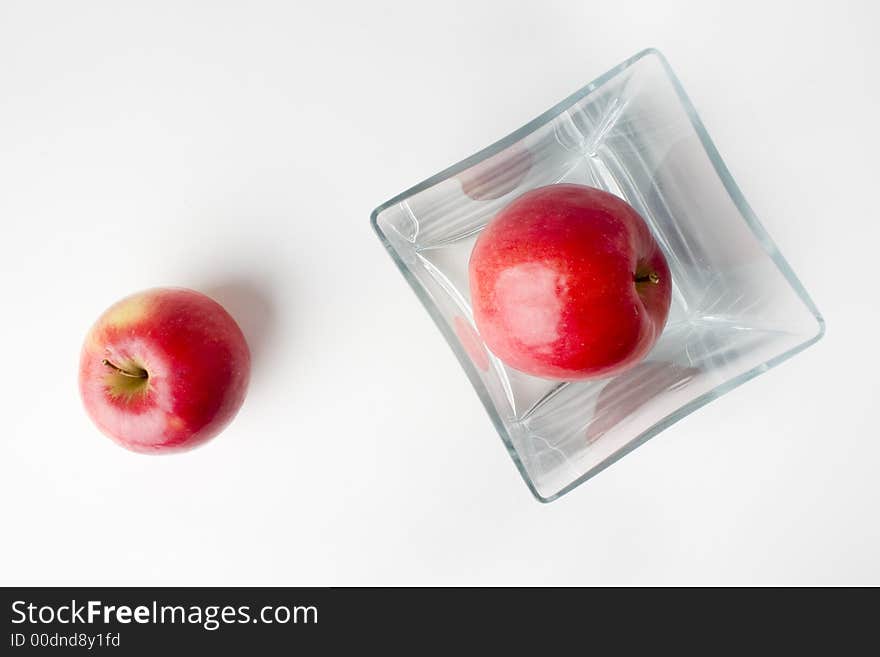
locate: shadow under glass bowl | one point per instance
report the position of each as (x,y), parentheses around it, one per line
(737,307)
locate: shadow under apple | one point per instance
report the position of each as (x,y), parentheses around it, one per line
(630,391)
(252,306)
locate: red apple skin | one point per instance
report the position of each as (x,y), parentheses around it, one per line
(568,283)
(164,370)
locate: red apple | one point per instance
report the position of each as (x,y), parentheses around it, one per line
(568,283)
(164,370)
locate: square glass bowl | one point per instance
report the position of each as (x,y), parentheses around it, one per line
(737,307)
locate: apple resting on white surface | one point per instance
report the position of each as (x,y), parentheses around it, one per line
(164,370)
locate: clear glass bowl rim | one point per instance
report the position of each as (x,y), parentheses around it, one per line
(736,196)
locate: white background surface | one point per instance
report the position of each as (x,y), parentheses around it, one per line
(239,147)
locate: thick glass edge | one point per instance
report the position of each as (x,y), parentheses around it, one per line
(737,197)
(685,410)
(510,139)
(769,246)
(424,298)
(465,362)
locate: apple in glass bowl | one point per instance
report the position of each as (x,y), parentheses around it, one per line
(568,283)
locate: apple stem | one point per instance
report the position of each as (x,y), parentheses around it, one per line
(652,278)
(140,374)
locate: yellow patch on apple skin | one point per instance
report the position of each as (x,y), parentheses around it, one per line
(92,345)
(127,312)
(176,423)
(120,315)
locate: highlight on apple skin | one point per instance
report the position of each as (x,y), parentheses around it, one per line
(164,370)
(568,283)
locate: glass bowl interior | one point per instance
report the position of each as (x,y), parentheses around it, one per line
(737,307)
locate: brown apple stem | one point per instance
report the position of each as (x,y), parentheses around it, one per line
(652,278)
(140,374)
